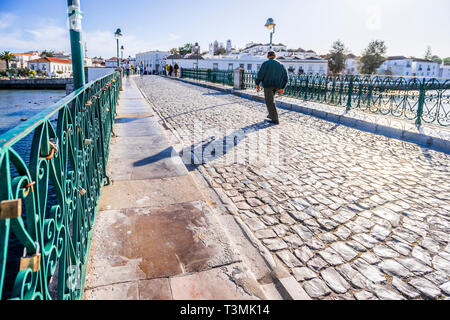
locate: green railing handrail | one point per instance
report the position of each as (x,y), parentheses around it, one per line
(210,75)
(49,203)
(28,126)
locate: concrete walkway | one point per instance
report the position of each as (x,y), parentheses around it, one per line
(156,237)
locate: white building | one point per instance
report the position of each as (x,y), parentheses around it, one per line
(60,68)
(229,47)
(250,63)
(112,62)
(153,60)
(444,72)
(21,59)
(425,68)
(351,65)
(262,49)
(397,66)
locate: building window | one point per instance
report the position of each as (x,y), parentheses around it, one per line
(241,66)
(249,67)
(230,67)
(215,66)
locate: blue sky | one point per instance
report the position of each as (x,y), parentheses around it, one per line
(407,26)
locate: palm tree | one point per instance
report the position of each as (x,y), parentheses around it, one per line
(8,57)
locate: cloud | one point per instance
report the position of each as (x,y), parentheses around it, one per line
(374,18)
(6,20)
(174,37)
(48,34)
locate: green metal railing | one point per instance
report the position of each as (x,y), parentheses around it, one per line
(215,76)
(49,200)
(425,100)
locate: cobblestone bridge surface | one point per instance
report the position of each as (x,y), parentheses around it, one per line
(351,214)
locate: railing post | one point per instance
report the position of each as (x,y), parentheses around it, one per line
(238,78)
(422,91)
(75,17)
(350,93)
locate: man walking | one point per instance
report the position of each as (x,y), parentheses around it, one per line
(273,76)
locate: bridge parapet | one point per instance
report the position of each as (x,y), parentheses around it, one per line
(49,193)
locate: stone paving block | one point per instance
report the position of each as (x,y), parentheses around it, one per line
(146,243)
(198,286)
(119,291)
(137,127)
(155,289)
(149,193)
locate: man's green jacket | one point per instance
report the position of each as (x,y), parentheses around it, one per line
(272,74)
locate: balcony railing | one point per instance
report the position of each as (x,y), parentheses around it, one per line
(52,169)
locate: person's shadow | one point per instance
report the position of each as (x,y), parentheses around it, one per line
(213,148)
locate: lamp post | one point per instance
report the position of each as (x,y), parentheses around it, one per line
(121,51)
(117,35)
(75,16)
(197,49)
(270,24)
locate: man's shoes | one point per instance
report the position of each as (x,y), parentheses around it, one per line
(273,121)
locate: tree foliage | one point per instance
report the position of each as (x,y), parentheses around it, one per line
(436,59)
(187,48)
(46,53)
(372,57)
(447,61)
(8,57)
(428,54)
(337,57)
(221,51)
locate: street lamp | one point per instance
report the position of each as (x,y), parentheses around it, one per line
(121,51)
(270,24)
(117,35)
(197,49)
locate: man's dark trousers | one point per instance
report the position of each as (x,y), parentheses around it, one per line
(269,94)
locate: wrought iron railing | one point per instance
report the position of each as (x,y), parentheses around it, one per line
(215,76)
(424,100)
(49,199)
(420,99)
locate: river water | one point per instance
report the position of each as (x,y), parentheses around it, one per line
(16,105)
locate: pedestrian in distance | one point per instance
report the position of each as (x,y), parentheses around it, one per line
(166,70)
(141,68)
(175,68)
(170,70)
(127,69)
(273,76)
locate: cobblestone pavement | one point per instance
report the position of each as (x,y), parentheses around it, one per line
(351,214)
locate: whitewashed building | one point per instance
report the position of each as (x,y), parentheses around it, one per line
(351,65)
(60,68)
(251,63)
(425,68)
(153,60)
(252,57)
(21,59)
(444,72)
(397,66)
(112,62)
